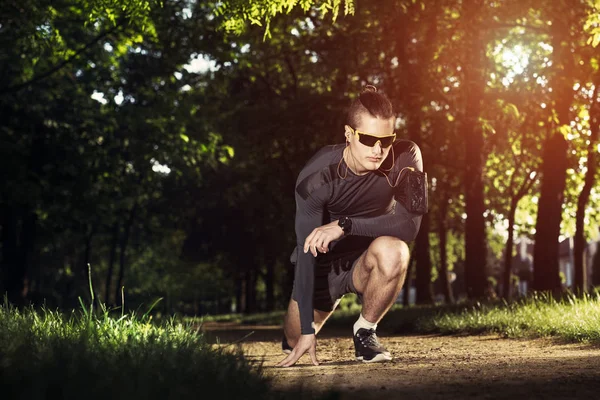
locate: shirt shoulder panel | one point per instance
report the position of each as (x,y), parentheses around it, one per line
(320,171)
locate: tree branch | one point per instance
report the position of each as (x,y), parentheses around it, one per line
(59,66)
(527,184)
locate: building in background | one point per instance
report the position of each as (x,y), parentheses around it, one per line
(523,262)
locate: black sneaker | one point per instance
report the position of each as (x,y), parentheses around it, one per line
(368,349)
(285,347)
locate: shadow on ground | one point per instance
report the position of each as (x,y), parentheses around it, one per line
(527,380)
(424,367)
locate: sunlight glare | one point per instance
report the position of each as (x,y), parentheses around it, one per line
(200,64)
(119,98)
(99,97)
(159,168)
(514,59)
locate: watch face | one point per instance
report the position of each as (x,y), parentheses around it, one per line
(345,224)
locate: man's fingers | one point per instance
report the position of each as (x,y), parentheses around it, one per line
(291,359)
(313,244)
(325,244)
(309,238)
(313,249)
(285,361)
(320,238)
(280,363)
(317,241)
(313,356)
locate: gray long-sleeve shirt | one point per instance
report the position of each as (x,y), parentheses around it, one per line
(368,200)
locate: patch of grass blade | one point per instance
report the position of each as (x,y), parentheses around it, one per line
(572,319)
(89,354)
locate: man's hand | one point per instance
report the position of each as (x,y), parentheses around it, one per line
(306,343)
(320,238)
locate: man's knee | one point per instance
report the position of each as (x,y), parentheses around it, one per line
(391,256)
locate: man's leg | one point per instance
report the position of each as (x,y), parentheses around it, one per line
(379,275)
(291,322)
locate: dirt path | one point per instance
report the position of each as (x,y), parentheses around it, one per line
(428,367)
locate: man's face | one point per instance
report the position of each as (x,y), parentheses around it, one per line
(365,157)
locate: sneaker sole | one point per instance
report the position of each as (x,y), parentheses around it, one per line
(378,358)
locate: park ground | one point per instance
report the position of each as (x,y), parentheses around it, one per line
(424,366)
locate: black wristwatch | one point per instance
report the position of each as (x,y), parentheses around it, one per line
(346,224)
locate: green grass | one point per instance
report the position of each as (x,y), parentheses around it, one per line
(46,354)
(572,319)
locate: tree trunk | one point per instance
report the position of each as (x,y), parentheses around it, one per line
(596,266)
(408,282)
(423,256)
(508,252)
(547,229)
(123,249)
(12,275)
(111,262)
(238,294)
(270,282)
(443,236)
(581,284)
(474,83)
(17,251)
(546,275)
(87,255)
(26,251)
(250,290)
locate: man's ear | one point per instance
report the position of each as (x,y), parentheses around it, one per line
(347,132)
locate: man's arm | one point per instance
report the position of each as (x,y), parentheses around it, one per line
(402,224)
(309,215)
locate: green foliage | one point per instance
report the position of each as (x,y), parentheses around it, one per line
(237,12)
(592,23)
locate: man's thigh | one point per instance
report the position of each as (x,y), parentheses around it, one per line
(363,266)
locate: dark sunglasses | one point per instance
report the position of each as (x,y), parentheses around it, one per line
(371,140)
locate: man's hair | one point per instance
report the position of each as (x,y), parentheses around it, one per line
(371,102)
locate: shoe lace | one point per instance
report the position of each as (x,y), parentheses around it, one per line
(370,338)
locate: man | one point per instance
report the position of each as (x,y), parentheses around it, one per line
(352,225)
